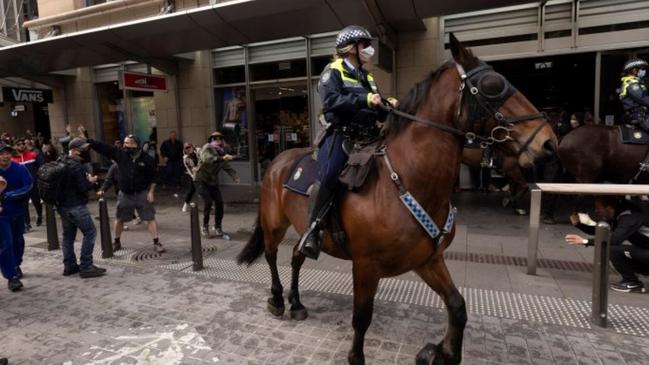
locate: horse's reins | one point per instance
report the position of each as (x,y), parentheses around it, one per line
(503,122)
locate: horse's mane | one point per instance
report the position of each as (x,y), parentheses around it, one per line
(418,94)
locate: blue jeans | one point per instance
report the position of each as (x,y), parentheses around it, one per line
(7,258)
(331,159)
(74,218)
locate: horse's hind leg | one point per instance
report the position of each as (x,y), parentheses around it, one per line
(449,351)
(276,301)
(298,311)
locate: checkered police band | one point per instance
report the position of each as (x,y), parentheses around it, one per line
(635,63)
(352,34)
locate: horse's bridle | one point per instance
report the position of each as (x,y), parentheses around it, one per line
(490,105)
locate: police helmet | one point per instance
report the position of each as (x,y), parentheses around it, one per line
(634,63)
(351,35)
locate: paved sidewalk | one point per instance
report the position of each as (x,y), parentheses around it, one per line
(153,309)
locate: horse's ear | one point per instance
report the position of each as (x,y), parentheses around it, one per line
(461,54)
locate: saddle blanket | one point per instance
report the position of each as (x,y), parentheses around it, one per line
(303,174)
(633,135)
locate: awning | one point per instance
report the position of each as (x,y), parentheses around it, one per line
(155,40)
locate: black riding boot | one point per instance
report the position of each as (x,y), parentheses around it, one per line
(310,243)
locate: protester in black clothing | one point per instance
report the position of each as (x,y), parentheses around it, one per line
(190,163)
(171,151)
(72,207)
(628,223)
(136,184)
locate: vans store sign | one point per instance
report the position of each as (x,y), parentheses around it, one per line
(143,82)
(12,94)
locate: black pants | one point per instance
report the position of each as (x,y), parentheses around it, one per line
(35,196)
(191,189)
(630,260)
(211,195)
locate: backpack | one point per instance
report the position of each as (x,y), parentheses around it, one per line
(50,180)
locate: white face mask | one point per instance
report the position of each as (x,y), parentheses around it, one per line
(574,123)
(367,53)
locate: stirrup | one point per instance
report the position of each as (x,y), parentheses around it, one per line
(306,234)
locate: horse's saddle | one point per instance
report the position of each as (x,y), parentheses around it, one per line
(304,173)
(633,135)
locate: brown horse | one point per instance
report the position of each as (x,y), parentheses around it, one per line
(594,153)
(472,157)
(383,238)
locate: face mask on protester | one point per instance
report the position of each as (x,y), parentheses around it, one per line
(367,53)
(130,150)
(642,73)
(574,123)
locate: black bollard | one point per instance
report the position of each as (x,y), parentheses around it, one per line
(52,232)
(600,275)
(104,230)
(197,249)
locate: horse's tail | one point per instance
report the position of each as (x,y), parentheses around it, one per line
(254,248)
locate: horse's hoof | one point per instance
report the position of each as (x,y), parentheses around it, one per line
(356,360)
(299,314)
(275,310)
(428,356)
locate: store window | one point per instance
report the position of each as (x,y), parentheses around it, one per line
(282,119)
(230,75)
(111,111)
(233,120)
(318,64)
(278,70)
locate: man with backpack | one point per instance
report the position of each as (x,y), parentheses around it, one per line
(12,216)
(74,184)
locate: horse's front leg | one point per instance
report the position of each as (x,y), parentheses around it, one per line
(298,311)
(449,351)
(365,283)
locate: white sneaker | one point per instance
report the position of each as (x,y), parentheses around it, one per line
(185,207)
(125,227)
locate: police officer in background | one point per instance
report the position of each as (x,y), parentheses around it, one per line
(634,94)
(349,101)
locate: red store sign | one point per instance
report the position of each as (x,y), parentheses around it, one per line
(143,82)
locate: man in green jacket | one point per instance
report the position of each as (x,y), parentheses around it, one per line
(212,159)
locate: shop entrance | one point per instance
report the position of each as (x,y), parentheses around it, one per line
(564,83)
(282,119)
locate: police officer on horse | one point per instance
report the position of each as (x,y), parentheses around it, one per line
(634,94)
(349,99)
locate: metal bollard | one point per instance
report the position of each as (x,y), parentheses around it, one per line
(104,230)
(52,232)
(599,315)
(197,249)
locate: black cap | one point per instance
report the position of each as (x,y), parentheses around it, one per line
(4,146)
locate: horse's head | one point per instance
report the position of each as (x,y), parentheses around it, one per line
(494,112)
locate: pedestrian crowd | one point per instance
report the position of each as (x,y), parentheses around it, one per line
(34,170)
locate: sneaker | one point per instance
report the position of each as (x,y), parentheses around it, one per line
(117,245)
(19,273)
(629,287)
(204,232)
(218,232)
(185,207)
(71,270)
(92,272)
(39,221)
(548,219)
(159,248)
(125,227)
(138,222)
(28,228)
(14,284)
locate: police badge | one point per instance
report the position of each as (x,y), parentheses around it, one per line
(298,174)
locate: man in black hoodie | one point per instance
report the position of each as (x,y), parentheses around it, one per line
(137,172)
(72,206)
(628,223)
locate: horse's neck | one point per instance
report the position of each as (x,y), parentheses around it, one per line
(427,160)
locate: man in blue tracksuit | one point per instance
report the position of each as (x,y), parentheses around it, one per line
(12,216)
